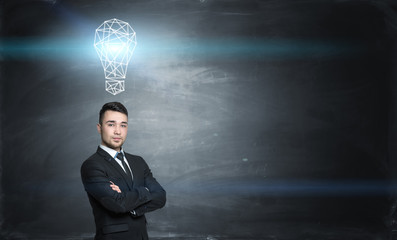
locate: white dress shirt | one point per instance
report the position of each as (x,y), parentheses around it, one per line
(113,153)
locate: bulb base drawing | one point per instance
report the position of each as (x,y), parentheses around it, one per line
(115,86)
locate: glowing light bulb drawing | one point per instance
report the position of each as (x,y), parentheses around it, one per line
(115,41)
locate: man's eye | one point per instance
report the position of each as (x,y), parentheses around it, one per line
(110,125)
(124,126)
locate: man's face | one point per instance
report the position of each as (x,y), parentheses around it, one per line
(113,129)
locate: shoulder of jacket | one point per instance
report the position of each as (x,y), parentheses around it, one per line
(132,155)
(96,157)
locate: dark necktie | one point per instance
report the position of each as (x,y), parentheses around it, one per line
(126,169)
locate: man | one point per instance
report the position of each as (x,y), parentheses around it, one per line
(120,186)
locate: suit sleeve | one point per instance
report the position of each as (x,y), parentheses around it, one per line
(97,184)
(157,193)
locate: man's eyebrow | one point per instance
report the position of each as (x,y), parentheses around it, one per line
(113,121)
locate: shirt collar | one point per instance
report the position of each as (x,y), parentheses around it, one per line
(111,152)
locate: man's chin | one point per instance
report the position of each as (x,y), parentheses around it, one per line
(115,146)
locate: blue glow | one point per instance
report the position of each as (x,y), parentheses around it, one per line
(43,48)
(268,49)
(292,188)
(115,48)
(260,188)
(230,49)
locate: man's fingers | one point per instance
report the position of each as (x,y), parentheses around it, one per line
(115,187)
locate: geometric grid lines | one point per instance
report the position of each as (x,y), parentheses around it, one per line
(115,86)
(115,41)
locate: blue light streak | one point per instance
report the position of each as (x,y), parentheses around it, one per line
(288,188)
(253,188)
(46,48)
(265,49)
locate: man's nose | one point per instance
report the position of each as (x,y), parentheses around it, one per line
(117,129)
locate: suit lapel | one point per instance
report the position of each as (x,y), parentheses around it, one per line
(116,166)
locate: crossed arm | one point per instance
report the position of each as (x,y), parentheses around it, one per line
(117,189)
(140,200)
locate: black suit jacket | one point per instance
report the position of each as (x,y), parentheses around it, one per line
(112,210)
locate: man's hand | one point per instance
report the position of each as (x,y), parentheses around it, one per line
(115,187)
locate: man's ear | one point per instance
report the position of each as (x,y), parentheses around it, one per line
(98,127)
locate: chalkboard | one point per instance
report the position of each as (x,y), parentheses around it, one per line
(261,119)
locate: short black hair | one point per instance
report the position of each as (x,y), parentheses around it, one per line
(112,106)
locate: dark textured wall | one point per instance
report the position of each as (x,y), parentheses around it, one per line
(255,116)
(1,128)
